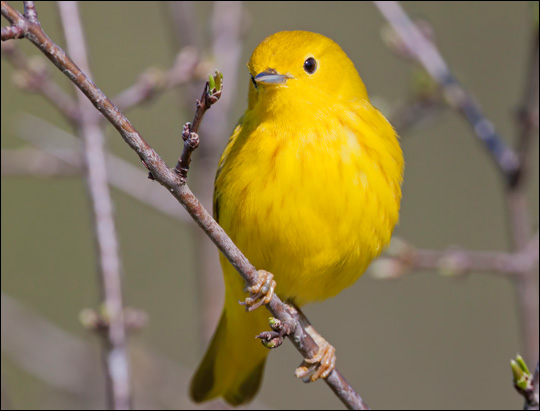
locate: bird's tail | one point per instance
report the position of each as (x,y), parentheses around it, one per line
(233,365)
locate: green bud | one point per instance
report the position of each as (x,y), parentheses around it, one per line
(218,80)
(522,365)
(522,376)
(269,344)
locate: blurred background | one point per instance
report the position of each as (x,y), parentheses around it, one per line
(424,341)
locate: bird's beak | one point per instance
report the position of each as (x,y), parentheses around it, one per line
(271,76)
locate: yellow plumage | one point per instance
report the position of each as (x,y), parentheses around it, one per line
(308,188)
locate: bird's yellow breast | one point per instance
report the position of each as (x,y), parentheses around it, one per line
(311,197)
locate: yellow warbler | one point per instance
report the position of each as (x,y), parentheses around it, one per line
(308,187)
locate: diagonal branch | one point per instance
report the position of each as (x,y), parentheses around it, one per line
(122,175)
(33,77)
(528,112)
(429,57)
(177,187)
(514,166)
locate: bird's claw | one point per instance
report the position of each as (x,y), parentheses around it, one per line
(321,365)
(260,293)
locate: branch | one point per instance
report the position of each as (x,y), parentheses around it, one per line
(429,57)
(527,118)
(227,25)
(518,211)
(186,68)
(32,76)
(122,174)
(533,403)
(70,364)
(513,166)
(36,163)
(418,111)
(176,185)
(115,346)
(403,258)
(211,94)
(12,32)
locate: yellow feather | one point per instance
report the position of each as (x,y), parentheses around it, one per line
(308,187)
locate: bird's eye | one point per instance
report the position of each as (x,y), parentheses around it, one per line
(310,65)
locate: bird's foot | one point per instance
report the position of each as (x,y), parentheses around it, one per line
(322,364)
(260,293)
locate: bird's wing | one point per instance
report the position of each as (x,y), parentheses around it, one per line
(236,132)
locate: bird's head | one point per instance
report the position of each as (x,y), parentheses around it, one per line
(302,67)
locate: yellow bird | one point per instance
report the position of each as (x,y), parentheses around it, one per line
(309,189)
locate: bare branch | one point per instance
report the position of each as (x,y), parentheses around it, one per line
(12,32)
(416,112)
(30,12)
(69,363)
(227,28)
(115,345)
(183,17)
(429,57)
(33,76)
(177,187)
(527,118)
(209,97)
(122,175)
(511,164)
(33,162)
(403,258)
(525,383)
(186,68)
(519,222)
(534,402)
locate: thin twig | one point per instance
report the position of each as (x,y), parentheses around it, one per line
(419,111)
(115,346)
(30,12)
(403,258)
(183,17)
(527,118)
(429,57)
(152,82)
(189,133)
(32,76)
(33,162)
(177,187)
(226,28)
(69,363)
(513,166)
(121,174)
(519,223)
(527,384)
(533,402)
